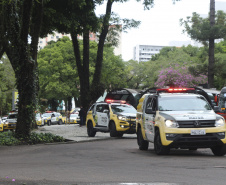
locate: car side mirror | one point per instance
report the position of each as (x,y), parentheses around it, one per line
(106,111)
(216,109)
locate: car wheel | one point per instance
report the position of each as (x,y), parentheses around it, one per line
(119,134)
(219,150)
(90,130)
(112,127)
(60,122)
(49,123)
(159,148)
(143,144)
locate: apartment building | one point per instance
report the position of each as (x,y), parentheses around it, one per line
(143,53)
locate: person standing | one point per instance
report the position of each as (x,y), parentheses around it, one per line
(82,116)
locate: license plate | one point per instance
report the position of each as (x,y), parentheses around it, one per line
(198,132)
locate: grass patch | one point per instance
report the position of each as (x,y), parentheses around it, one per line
(9,139)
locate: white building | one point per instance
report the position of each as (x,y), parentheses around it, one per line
(50,37)
(143,53)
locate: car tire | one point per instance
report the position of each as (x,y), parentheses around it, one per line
(90,130)
(143,144)
(159,148)
(49,123)
(112,128)
(219,150)
(120,134)
(60,122)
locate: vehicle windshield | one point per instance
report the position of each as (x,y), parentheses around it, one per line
(186,103)
(38,116)
(123,109)
(74,115)
(12,116)
(47,115)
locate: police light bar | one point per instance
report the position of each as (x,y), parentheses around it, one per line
(176,90)
(115,101)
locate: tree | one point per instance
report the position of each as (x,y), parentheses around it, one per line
(206,30)
(7,85)
(19,21)
(220,65)
(58,76)
(179,76)
(80,19)
(145,74)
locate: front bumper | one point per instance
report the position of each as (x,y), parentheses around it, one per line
(127,127)
(182,138)
(10,126)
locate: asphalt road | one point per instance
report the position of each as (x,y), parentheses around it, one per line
(107,162)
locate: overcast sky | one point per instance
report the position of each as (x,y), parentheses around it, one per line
(160,25)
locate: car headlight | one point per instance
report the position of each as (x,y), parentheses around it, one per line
(123,118)
(171,124)
(219,122)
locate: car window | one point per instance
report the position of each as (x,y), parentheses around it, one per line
(123,109)
(74,115)
(46,115)
(192,103)
(12,116)
(100,108)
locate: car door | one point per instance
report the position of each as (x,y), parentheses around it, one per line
(102,115)
(149,118)
(53,118)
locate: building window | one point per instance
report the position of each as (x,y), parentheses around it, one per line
(57,37)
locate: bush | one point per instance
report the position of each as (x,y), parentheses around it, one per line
(9,138)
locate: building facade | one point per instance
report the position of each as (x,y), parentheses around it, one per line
(143,53)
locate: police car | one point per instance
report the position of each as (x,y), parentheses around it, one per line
(52,118)
(10,122)
(112,116)
(179,118)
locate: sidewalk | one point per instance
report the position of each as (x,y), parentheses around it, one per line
(74,133)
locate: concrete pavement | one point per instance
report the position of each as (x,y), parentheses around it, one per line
(74,133)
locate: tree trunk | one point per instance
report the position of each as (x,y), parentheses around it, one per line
(97,88)
(27,95)
(211,46)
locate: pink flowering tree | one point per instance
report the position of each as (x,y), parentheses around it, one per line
(179,76)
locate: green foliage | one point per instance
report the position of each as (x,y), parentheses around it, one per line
(7,85)
(58,76)
(145,74)
(9,138)
(220,70)
(113,72)
(199,28)
(36,138)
